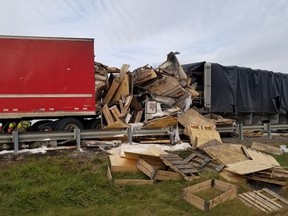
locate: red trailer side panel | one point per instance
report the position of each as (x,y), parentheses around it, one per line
(46,77)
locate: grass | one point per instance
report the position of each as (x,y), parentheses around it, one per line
(65,185)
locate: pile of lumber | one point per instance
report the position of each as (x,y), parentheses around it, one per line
(153,98)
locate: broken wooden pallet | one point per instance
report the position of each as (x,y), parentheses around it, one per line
(275,175)
(201,161)
(176,163)
(264,200)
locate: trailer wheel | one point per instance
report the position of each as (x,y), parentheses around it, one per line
(257,120)
(68,124)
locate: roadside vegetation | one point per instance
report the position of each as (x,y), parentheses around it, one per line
(76,184)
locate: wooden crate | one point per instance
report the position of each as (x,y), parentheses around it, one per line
(229,192)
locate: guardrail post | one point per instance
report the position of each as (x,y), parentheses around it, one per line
(240,129)
(171,135)
(268,128)
(15,140)
(130,135)
(77,138)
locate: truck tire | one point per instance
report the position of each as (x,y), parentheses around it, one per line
(68,124)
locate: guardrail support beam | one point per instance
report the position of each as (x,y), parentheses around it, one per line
(15,140)
(77,138)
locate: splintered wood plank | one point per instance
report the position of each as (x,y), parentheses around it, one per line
(266,148)
(226,153)
(260,157)
(177,164)
(115,84)
(247,166)
(107,115)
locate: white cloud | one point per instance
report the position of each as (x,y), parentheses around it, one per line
(247,33)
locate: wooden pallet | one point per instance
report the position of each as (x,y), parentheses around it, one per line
(275,175)
(201,161)
(264,200)
(176,163)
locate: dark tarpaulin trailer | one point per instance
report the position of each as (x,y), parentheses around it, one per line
(244,90)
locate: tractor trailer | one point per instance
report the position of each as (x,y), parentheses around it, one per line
(247,95)
(50,78)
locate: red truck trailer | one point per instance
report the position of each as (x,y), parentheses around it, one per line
(47,78)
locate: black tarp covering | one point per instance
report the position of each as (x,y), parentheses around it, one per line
(239,90)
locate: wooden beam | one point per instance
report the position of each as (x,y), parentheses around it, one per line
(115,84)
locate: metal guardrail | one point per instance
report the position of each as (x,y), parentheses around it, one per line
(78,135)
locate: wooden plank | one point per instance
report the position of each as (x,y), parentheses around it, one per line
(194,200)
(250,203)
(117,124)
(122,90)
(199,187)
(126,105)
(254,201)
(192,117)
(115,84)
(268,180)
(267,198)
(247,166)
(199,137)
(232,177)
(277,196)
(227,195)
(226,153)
(138,116)
(120,164)
(109,175)
(133,182)
(163,175)
(260,157)
(162,122)
(107,115)
(115,111)
(146,168)
(266,148)
(223,186)
(264,201)
(162,141)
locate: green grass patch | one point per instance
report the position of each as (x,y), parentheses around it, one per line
(65,185)
(282,159)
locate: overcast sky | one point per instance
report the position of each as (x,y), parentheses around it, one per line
(249,33)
